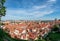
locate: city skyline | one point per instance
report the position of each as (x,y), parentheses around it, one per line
(32,10)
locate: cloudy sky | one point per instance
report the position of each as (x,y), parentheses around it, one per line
(32,9)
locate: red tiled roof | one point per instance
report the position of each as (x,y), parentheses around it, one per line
(24,26)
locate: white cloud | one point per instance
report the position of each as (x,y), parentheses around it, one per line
(33,13)
(40,14)
(24,14)
(39,7)
(52,0)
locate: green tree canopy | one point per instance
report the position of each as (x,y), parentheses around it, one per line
(2,9)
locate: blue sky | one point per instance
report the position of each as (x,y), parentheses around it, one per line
(32,9)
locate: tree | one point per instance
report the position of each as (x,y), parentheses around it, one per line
(2,9)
